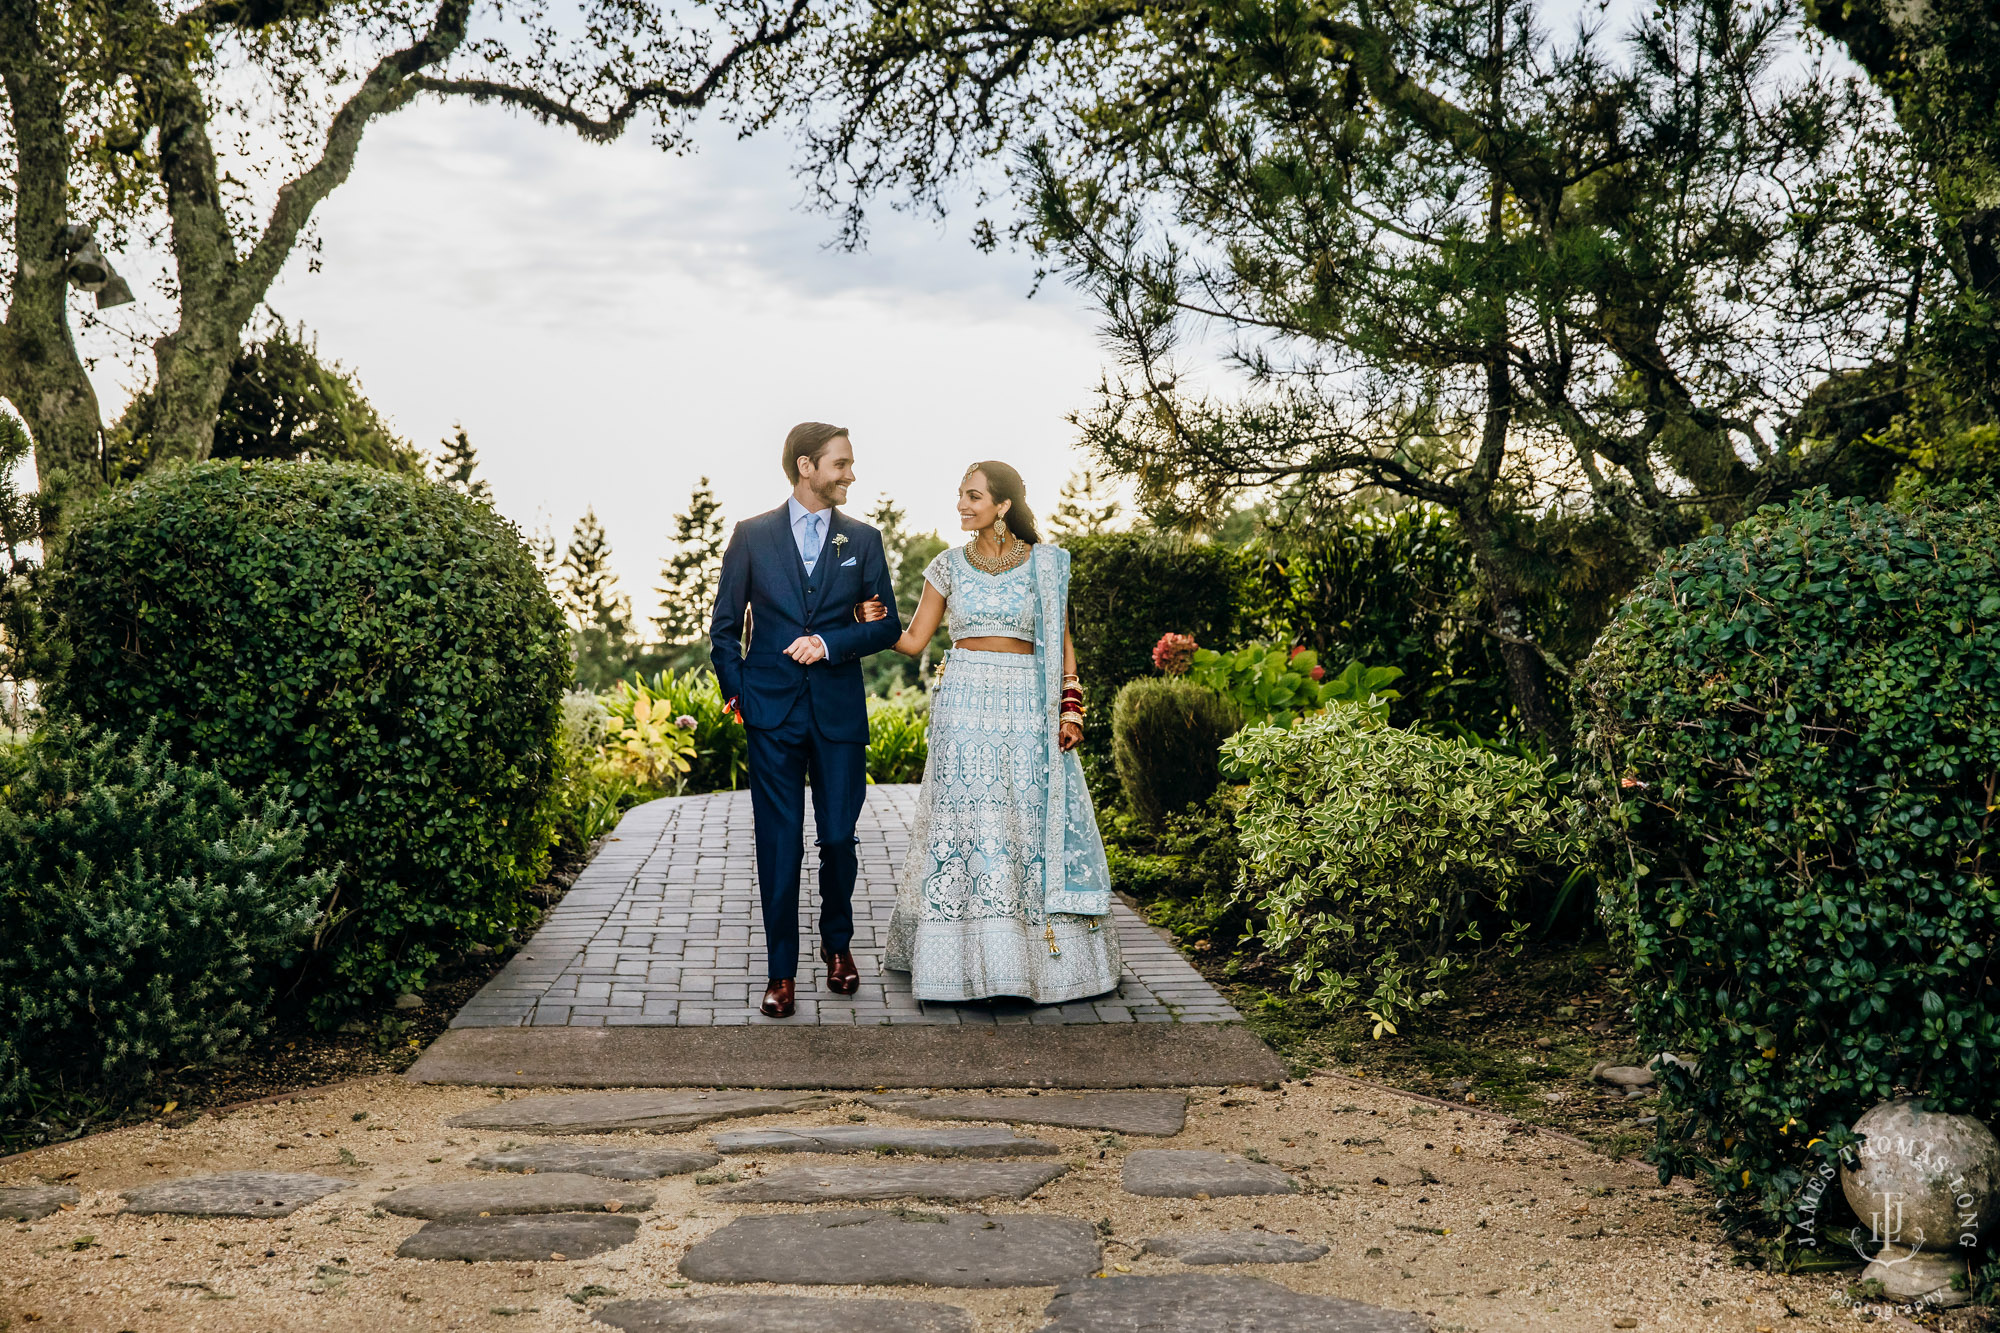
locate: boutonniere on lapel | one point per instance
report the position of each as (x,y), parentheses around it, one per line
(839,540)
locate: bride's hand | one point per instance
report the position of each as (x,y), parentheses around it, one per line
(872,609)
(1071,736)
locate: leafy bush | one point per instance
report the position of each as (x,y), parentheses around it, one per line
(1399,589)
(1271,684)
(1184,871)
(146,905)
(1793,736)
(1164,739)
(572,795)
(380,648)
(721,749)
(1379,859)
(645,740)
(898,736)
(1126,589)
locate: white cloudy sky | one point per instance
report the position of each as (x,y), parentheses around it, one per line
(611,323)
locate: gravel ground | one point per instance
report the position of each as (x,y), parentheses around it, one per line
(1477,1222)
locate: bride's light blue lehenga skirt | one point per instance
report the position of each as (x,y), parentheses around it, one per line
(969,922)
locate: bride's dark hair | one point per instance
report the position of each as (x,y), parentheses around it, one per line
(1004,483)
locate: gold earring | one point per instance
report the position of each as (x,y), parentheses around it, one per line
(1000,530)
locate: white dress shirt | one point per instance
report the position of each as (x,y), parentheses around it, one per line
(800,516)
(801,520)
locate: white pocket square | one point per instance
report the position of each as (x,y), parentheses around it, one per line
(850,560)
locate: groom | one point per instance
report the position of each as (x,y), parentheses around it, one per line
(791,578)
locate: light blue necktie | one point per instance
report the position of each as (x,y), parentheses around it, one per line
(812,542)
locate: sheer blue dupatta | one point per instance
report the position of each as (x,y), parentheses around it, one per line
(1075,879)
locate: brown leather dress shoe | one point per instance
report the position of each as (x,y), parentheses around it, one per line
(778,999)
(842,976)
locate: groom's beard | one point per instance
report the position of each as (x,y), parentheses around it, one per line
(829,493)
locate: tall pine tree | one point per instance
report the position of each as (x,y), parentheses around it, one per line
(600,615)
(1089,505)
(688,576)
(456,465)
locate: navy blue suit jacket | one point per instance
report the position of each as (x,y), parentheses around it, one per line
(762,571)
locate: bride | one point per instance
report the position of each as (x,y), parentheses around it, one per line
(1005,890)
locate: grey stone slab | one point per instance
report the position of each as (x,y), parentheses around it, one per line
(29,1203)
(1158,1113)
(1180,1173)
(981,1142)
(586,1159)
(546,1237)
(861,1056)
(556,1192)
(1233,1247)
(664,1112)
(1213,1303)
(899,1247)
(233,1194)
(784,1314)
(955,1182)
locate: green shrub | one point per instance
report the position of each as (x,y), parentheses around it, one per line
(1379,860)
(1184,872)
(1793,736)
(1399,589)
(721,746)
(574,793)
(379,647)
(898,736)
(1272,684)
(1126,589)
(145,905)
(1164,738)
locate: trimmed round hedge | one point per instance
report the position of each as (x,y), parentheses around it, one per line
(1792,735)
(379,646)
(1166,736)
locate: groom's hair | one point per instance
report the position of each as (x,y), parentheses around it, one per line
(807,440)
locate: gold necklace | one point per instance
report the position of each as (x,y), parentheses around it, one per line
(1011,557)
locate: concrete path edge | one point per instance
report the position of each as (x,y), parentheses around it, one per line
(1173,1055)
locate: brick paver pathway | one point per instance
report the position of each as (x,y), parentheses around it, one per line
(662,929)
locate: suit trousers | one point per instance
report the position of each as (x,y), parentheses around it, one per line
(780,759)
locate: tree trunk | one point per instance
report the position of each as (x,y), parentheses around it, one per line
(1526,678)
(41,374)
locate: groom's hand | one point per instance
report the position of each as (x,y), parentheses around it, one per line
(806,649)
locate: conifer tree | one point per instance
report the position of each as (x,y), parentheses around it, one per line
(457,464)
(1088,505)
(600,615)
(688,576)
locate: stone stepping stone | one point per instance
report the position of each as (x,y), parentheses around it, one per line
(784,1314)
(1233,1247)
(1214,1303)
(983,1142)
(29,1203)
(955,1182)
(609,1163)
(664,1112)
(1161,1113)
(885,1248)
(1181,1173)
(233,1194)
(556,1192)
(547,1237)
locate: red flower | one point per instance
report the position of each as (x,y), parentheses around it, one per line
(1173,653)
(1319,673)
